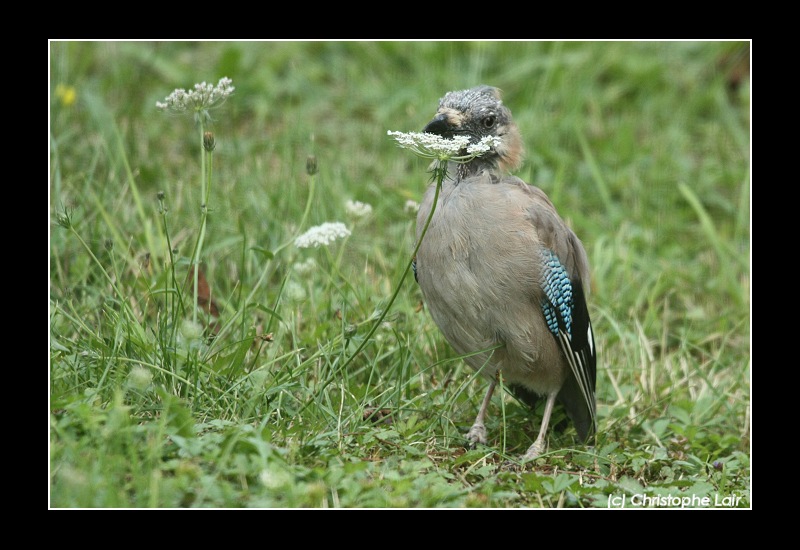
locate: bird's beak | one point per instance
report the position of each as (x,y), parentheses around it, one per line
(439,126)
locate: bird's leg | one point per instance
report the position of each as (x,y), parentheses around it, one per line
(538,446)
(477,433)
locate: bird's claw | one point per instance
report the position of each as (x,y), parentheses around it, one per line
(533,451)
(476,435)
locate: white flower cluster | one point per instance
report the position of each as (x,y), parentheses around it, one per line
(430,143)
(434,146)
(411,207)
(139,377)
(203,97)
(305,267)
(483,146)
(294,291)
(323,235)
(357,209)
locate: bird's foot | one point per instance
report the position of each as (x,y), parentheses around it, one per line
(533,451)
(524,462)
(476,435)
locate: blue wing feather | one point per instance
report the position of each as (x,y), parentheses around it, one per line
(567,316)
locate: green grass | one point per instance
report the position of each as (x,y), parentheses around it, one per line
(643,147)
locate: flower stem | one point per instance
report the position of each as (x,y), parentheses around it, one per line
(311,184)
(439,173)
(205,186)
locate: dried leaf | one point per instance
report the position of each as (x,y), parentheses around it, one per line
(204,300)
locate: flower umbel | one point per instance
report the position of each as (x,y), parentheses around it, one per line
(323,235)
(201,99)
(357,209)
(411,207)
(433,146)
(305,267)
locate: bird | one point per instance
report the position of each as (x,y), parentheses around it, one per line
(502,275)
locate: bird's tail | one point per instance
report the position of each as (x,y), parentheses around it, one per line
(574,402)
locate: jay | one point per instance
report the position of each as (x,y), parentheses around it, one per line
(503,276)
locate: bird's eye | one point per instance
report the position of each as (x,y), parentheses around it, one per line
(488,121)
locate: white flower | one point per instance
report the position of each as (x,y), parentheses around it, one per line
(425,144)
(294,291)
(306,267)
(203,97)
(411,207)
(322,235)
(483,146)
(139,377)
(433,146)
(191,330)
(357,209)
(275,477)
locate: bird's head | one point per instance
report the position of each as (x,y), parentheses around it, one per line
(479,112)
